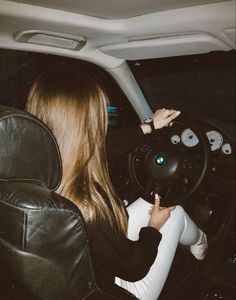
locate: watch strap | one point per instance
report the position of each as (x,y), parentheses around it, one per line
(150,122)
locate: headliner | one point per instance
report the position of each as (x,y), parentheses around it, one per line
(113,9)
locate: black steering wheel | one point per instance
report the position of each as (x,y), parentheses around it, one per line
(174,170)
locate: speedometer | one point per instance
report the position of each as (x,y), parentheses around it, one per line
(215,139)
(189,138)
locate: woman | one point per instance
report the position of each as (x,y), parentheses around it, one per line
(74,108)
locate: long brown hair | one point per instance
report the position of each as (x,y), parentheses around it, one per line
(73,107)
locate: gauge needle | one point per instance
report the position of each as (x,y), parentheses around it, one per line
(189,138)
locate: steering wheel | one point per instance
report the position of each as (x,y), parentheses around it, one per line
(173,170)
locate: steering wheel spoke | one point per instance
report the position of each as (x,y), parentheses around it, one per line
(153,187)
(175,190)
(192,165)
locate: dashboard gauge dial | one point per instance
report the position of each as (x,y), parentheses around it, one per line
(226,148)
(175,139)
(189,138)
(215,139)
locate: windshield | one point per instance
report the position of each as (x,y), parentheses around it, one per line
(18,70)
(197,84)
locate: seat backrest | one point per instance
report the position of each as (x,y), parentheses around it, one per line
(44,247)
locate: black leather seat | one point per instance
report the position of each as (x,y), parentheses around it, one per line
(44,248)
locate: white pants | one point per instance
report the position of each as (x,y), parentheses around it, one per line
(179,228)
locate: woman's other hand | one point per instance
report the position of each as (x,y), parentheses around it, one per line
(159,215)
(164,117)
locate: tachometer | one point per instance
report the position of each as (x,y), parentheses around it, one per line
(215,139)
(189,138)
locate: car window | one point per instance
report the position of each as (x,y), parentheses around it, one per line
(195,84)
(18,69)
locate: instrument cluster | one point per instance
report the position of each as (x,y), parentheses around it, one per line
(216,140)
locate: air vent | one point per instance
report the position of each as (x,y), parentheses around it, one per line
(52,39)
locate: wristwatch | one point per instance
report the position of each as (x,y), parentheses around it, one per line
(149,121)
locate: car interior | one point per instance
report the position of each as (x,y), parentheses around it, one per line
(146,55)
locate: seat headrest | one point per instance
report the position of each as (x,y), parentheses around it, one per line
(28,149)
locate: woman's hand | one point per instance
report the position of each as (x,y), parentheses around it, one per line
(159,215)
(161,117)
(164,117)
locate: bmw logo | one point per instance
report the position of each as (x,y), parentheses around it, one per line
(160,160)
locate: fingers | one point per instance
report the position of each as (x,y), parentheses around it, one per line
(157,205)
(173,114)
(172,117)
(157,201)
(170,112)
(169,124)
(168,115)
(164,117)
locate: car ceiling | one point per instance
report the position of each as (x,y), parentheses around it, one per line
(113,9)
(119,31)
(160,29)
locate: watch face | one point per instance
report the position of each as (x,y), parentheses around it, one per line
(147,121)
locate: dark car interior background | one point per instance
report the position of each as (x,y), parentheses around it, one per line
(203,88)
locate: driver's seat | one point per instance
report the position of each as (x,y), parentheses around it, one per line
(44,247)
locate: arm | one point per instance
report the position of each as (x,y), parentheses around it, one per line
(118,256)
(115,255)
